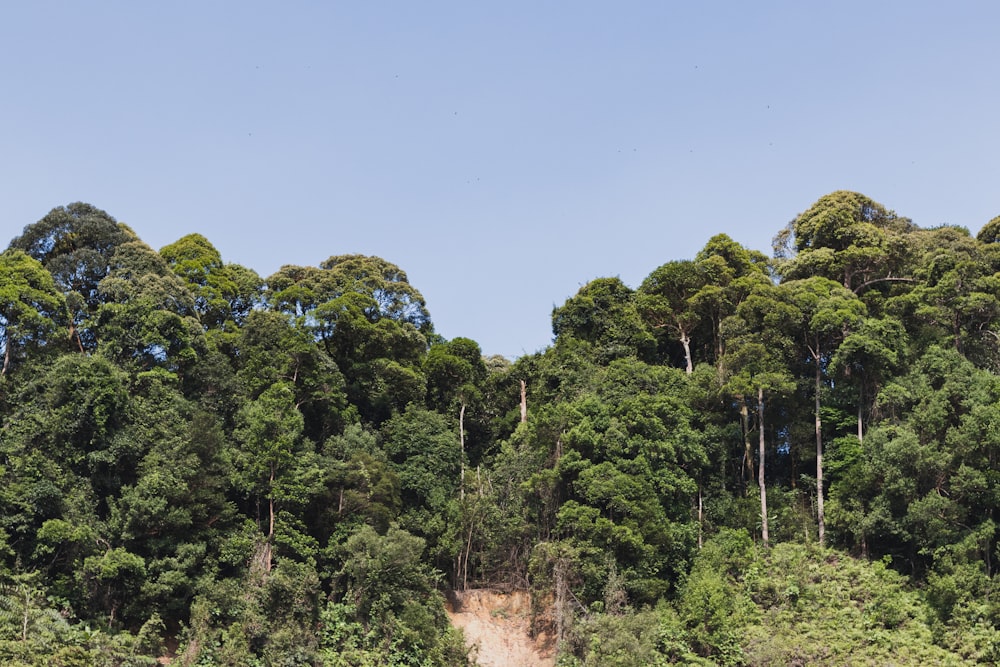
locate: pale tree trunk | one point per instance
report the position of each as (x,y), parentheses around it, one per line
(700,516)
(747,454)
(861,434)
(6,358)
(465,565)
(461,439)
(819,461)
(760,467)
(686,342)
(524,401)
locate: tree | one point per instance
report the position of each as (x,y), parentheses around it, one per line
(828,313)
(603,313)
(369,320)
(271,466)
(30,306)
(455,374)
(866,357)
(270,350)
(224,293)
(385,282)
(847,237)
(956,299)
(731,273)
(756,364)
(146,316)
(666,301)
(75,243)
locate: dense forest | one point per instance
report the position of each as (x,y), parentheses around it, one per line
(746,460)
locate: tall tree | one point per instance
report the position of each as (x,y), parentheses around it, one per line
(665,300)
(847,237)
(756,365)
(731,273)
(76,243)
(270,462)
(827,314)
(224,293)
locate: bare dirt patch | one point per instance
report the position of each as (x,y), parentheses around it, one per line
(497,628)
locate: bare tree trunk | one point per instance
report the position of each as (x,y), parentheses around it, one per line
(700,516)
(461,438)
(465,565)
(819,460)
(760,467)
(747,454)
(686,342)
(524,402)
(6,358)
(861,434)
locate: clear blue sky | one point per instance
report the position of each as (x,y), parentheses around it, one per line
(503,153)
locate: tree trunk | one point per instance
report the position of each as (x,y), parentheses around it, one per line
(700,516)
(461,439)
(861,404)
(524,401)
(75,335)
(760,467)
(686,342)
(747,454)
(819,460)
(270,527)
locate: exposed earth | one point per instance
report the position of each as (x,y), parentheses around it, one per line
(497,627)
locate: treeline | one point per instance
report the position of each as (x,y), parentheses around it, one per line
(741,455)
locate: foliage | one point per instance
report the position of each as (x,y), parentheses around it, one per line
(199,464)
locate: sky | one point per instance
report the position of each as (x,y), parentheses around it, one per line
(503,154)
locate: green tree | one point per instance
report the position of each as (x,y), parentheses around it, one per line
(75,243)
(756,365)
(731,273)
(666,301)
(272,466)
(827,314)
(30,307)
(604,314)
(224,293)
(847,237)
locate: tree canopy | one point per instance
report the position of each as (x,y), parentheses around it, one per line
(743,460)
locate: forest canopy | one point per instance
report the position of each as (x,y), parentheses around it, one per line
(745,460)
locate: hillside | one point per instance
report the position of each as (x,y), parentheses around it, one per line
(745,460)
